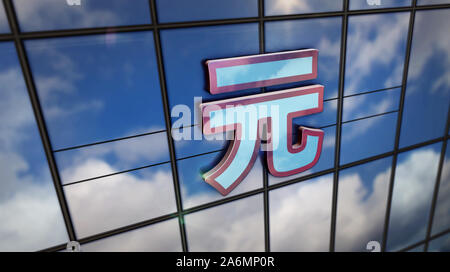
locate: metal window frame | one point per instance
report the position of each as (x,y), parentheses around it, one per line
(18,38)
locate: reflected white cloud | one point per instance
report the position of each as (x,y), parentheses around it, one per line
(441,221)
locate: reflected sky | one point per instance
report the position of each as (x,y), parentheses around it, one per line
(119,200)
(284,7)
(323,34)
(441,219)
(432,2)
(112,157)
(4,26)
(195,10)
(164,236)
(441,244)
(415,177)
(236,226)
(300,215)
(29,210)
(189,145)
(84,104)
(428,91)
(362,198)
(376,47)
(57,14)
(364,4)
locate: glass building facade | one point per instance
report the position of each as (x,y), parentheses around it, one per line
(88,99)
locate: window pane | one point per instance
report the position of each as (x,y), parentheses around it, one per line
(420,248)
(195,10)
(428,90)
(374,4)
(376,47)
(361,208)
(164,236)
(186,81)
(432,2)
(282,7)
(441,219)
(4,26)
(236,226)
(195,191)
(119,200)
(441,244)
(57,14)
(415,177)
(75,164)
(29,210)
(300,215)
(368,137)
(322,34)
(97,88)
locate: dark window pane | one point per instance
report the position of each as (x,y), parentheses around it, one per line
(300,215)
(282,7)
(428,91)
(164,236)
(374,4)
(195,10)
(368,137)
(432,2)
(185,65)
(376,47)
(420,248)
(415,177)
(75,164)
(96,88)
(362,198)
(29,210)
(4,26)
(119,200)
(59,14)
(322,34)
(236,226)
(195,191)
(441,244)
(441,219)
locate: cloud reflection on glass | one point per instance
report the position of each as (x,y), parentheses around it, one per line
(375,4)
(4,26)
(284,7)
(441,219)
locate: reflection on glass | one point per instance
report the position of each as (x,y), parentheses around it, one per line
(432,2)
(300,215)
(420,248)
(376,47)
(415,177)
(119,200)
(195,191)
(29,210)
(76,164)
(186,81)
(361,207)
(441,219)
(236,226)
(441,244)
(59,14)
(96,88)
(428,90)
(196,10)
(368,137)
(283,7)
(4,27)
(323,34)
(164,236)
(374,4)
(325,118)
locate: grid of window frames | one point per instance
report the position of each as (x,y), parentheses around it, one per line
(87,94)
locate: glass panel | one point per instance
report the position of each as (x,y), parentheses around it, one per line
(58,14)
(236,226)
(113,157)
(187,81)
(326,118)
(415,177)
(441,244)
(4,26)
(432,2)
(420,248)
(376,47)
(119,200)
(164,236)
(97,88)
(195,191)
(368,137)
(322,34)
(441,219)
(300,215)
(282,7)
(361,208)
(366,105)
(195,10)
(29,210)
(374,4)
(428,90)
